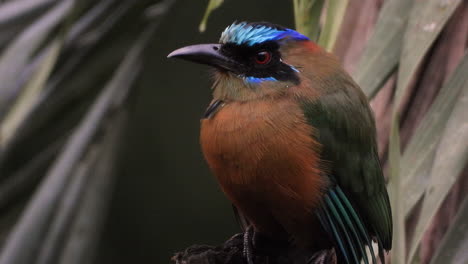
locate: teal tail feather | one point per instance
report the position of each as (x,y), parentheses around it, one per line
(345,227)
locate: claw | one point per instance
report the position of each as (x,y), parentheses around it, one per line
(322,257)
(249,235)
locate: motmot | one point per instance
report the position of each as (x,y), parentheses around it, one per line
(291,139)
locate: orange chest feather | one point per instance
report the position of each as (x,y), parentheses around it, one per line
(263,143)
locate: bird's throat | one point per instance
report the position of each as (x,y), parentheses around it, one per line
(230,87)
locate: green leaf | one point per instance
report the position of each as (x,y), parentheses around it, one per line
(307,15)
(420,151)
(212,5)
(450,159)
(381,55)
(396,195)
(17,54)
(29,94)
(453,247)
(334,17)
(395,185)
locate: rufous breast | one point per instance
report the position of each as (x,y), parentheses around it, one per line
(266,140)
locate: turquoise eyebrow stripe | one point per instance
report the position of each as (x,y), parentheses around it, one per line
(251,79)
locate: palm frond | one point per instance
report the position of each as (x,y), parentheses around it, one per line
(66,131)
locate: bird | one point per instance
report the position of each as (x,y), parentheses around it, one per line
(291,140)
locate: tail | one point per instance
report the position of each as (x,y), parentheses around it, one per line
(346,229)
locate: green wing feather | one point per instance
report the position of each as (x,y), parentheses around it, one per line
(361,239)
(343,124)
(351,244)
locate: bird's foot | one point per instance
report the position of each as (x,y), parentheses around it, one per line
(323,257)
(249,243)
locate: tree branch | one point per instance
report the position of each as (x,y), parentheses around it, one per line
(231,252)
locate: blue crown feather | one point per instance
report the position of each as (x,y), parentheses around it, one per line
(251,34)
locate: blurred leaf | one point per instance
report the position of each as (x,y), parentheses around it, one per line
(29,94)
(307,15)
(212,5)
(382,52)
(395,191)
(453,247)
(17,54)
(16,15)
(66,210)
(419,154)
(27,235)
(416,43)
(334,17)
(28,105)
(450,159)
(90,17)
(23,181)
(426,20)
(84,232)
(395,186)
(11,12)
(97,33)
(74,81)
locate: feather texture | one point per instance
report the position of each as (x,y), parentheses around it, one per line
(293,144)
(358,203)
(255,33)
(346,227)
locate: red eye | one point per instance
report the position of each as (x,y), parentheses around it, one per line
(263,57)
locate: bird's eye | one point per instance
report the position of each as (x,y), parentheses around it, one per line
(263,57)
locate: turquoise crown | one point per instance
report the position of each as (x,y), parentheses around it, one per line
(254,33)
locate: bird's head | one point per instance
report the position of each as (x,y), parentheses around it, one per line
(252,60)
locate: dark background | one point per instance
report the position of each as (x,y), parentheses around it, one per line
(165,198)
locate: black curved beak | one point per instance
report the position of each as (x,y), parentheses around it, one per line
(209,54)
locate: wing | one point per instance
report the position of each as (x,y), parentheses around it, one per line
(357,205)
